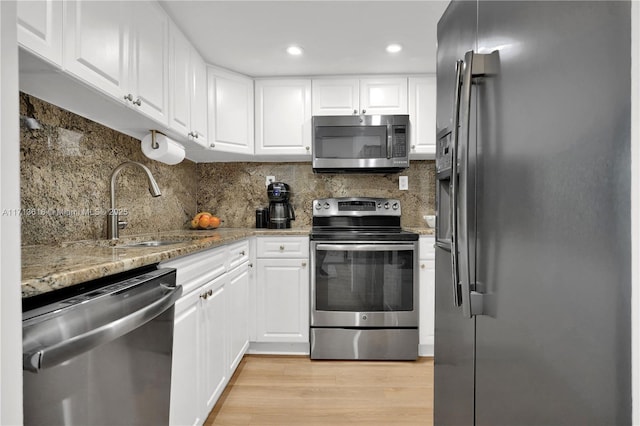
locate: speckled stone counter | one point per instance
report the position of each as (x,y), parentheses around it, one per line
(51,267)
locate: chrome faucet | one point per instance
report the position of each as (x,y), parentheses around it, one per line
(113,222)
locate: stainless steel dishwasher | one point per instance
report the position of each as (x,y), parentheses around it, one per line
(101,355)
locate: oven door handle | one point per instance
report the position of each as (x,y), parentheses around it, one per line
(364,247)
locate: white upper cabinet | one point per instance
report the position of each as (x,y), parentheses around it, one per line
(199,131)
(40,28)
(95,44)
(149,66)
(187,89)
(179,82)
(283,118)
(359,96)
(335,96)
(422,114)
(383,96)
(230,112)
(121,49)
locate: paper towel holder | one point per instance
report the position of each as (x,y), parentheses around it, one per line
(154,142)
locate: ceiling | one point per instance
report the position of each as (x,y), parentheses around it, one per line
(338,37)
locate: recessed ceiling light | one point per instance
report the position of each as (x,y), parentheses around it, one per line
(294,50)
(394,48)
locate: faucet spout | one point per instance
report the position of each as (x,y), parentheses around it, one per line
(113,222)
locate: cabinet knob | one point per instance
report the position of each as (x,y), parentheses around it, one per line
(204,296)
(195,135)
(250,265)
(422,266)
(281,247)
(212,145)
(304,264)
(364,111)
(128,97)
(137,102)
(210,292)
(413,147)
(355,111)
(242,253)
(307,148)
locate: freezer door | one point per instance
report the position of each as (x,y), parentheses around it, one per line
(553,246)
(454,333)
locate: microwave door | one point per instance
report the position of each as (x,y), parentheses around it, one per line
(351,142)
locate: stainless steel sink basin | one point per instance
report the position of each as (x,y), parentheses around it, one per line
(152,243)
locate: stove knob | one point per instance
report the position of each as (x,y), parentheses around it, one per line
(318,206)
(386,205)
(326,206)
(396,206)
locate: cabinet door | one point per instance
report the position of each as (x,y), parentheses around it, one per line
(282,300)
(283,117)
(40,28)
(149,70)
(186,402)
(95,44)
(230,112)
(213,361)
(238,313)
(198,99)
(179,82)
(422,115)
(335,96)
(383,96)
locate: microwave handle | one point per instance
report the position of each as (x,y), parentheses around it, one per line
(389,140)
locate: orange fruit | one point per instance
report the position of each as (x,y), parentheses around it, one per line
(214,222)
(203,222)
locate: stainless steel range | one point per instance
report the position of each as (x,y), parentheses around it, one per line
(364,281)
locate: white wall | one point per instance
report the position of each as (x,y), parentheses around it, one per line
(635,207)
(10,297)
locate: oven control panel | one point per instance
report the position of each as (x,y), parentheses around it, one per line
(356,206)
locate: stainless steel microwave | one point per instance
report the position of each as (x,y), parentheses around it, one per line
(360,143)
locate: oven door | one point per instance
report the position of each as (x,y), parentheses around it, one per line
(371,284)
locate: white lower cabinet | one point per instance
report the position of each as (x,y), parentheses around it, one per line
(427,295)
(211,332)
(282,290)
(185,393)
(213,318)
(237,315)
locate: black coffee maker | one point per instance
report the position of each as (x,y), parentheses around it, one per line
(280,211)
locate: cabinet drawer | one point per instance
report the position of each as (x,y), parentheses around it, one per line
(195,270)
(283,247)
(427,251)
(238,254)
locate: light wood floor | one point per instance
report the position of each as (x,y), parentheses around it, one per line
(288,390)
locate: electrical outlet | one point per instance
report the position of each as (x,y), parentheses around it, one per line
(269,179)
(404,183)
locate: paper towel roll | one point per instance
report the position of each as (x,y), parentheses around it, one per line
(168,151)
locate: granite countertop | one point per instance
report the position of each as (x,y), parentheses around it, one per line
(51,267)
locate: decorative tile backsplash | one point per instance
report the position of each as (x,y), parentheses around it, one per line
(66,167)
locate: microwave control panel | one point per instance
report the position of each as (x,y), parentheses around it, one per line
(399,141)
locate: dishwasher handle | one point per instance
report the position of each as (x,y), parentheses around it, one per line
(50,356)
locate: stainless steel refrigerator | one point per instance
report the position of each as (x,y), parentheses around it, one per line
(533,246)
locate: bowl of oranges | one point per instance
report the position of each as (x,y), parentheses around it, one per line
(205,220)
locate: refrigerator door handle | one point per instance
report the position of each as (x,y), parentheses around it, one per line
(475,65)
(454,186)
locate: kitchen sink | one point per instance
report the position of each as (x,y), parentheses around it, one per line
(152,243)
